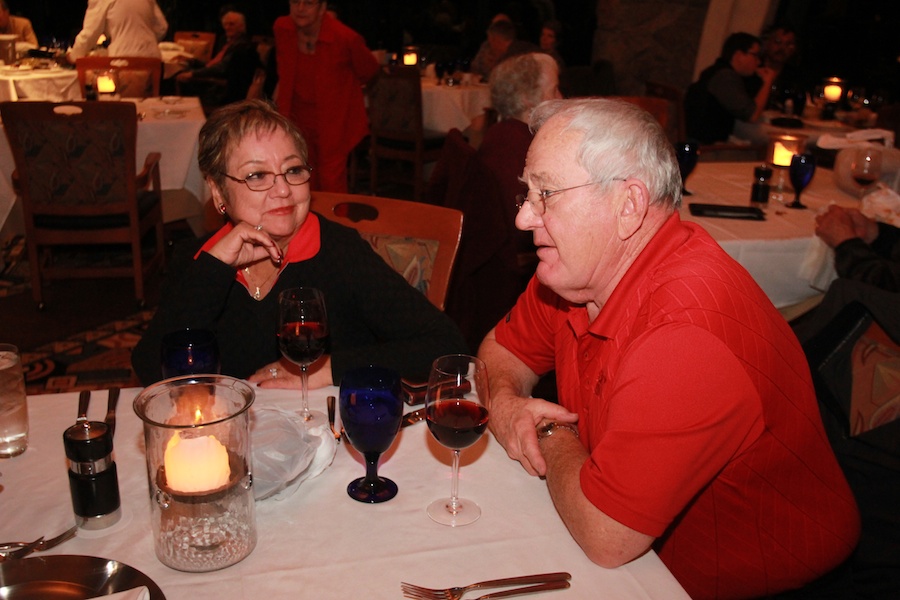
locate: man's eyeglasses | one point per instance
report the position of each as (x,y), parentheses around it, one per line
(265,180)
(538,198)
(304,3)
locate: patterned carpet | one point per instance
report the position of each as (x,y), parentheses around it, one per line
(96,359)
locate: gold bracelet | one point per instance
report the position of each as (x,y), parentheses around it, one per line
(545,431)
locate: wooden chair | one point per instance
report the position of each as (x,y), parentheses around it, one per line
(138,76)
(664,111)
(76,176)
(199,44)
(655,89)
(419,241)
(395,120)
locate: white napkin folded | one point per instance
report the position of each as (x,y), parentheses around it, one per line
(138,593)
(830,141)
(882,205)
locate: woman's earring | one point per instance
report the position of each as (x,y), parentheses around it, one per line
(221,209)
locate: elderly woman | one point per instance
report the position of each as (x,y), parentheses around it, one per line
(255,163)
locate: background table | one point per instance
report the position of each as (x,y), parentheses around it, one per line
(776,251)
(319,543)
(170,127)
(445,107)
(53,85)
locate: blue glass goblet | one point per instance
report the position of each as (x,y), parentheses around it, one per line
(189,352)
(686,152)
(801,171)
(371,408)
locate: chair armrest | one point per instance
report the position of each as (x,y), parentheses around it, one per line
(149,175)
(15,183)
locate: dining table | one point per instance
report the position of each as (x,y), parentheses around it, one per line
(54,84)
(781,252)
(314,541)
(445,107)
(168,125)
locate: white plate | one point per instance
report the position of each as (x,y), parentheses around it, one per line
(169,113)
(70,577)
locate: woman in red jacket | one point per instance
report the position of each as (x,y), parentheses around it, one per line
(322,68)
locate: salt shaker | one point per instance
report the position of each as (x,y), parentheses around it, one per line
(759,195)
(93,479)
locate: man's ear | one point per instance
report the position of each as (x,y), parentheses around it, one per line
(634,207)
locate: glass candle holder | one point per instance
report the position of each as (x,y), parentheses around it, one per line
(782,148)
(197,438)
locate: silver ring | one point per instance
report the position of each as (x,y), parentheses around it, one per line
(259,227)
(274,372)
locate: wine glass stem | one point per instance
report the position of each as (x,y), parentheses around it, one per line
(453,506)
(304,391)
(371,468)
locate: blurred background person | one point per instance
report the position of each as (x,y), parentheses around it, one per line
(322,66)
(864,249)
(501,44)
(17,26)
(734,88)
(551,36)
(778,53)
(134,28)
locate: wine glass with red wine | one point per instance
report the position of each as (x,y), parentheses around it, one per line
(303,336)
(866,168)
(456,413)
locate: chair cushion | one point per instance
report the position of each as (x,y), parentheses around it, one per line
(147,200)
(413,258)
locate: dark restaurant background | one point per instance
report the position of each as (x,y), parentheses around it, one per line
(642,39)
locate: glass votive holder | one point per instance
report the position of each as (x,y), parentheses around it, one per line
(197,438)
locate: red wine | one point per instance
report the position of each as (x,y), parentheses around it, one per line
(455,423)
(303,343)
(864,180)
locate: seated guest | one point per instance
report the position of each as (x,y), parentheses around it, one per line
(254,161)
(678,426)
(501,44)
(864,249)
(734,88)
(228,75)
(551,32)
(778,53)
(518,85)
(17,26)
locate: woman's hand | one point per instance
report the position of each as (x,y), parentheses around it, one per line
(244,245)
(284,374)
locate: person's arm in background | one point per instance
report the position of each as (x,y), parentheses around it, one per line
(93,26)
(864,250)
(160,26)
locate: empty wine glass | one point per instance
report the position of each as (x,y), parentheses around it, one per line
(686,152)
(456,413)
(801,173)
(371,408)
(302,337)
(866,168)
(189,352)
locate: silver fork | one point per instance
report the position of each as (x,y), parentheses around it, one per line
(41,544)
(455,593)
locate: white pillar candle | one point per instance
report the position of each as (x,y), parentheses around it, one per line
(196,464)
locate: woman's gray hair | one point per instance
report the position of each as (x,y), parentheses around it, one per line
(516,83)
(621,140)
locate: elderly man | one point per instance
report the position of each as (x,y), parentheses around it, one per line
(17,26)
(501,44)
(687,420)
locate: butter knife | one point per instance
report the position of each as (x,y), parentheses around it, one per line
(111,410)
(331,414)
(84,400)
(413,417)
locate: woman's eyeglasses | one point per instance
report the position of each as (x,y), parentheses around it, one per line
(265,180)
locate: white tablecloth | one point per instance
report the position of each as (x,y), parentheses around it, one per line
(319,543)
(174,134)
(54,85)
(779,251)
(445,107)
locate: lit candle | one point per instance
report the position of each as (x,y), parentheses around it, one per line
(196,464)
(410,58)
(832,93)
(105,84)
(781,155)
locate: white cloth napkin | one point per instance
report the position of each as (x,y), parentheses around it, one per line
(882,205)
(138,593)
(831,141)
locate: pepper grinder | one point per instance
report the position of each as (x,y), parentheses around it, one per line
(759,194)
(93,479)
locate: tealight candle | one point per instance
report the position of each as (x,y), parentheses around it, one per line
(106,84)
(781,155)
(832,93)
(196,464)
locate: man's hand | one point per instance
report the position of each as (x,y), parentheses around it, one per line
(837,225)
(513,422)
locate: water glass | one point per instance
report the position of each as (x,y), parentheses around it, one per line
(189,352)
(13,409)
